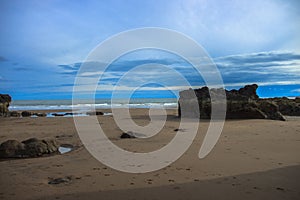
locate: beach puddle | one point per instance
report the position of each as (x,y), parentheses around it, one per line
(65,148)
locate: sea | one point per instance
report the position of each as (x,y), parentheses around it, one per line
(166,103)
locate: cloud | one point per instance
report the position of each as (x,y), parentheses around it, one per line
(238,26)
(262,57)
(265,68)
(66,67)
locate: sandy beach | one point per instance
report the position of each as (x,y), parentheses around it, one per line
(209,92)
(253,159)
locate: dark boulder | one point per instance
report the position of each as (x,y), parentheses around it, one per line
(35,147)
(26,114)
(12,149)
(32,147)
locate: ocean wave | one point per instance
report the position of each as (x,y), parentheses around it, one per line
(17,107)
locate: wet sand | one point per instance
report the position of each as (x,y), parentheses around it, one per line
(253,159)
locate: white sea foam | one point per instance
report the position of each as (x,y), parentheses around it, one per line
(99,104)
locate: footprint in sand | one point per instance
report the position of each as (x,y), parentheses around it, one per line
(57,165)
(149,181)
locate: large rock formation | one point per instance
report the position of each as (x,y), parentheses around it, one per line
(32,147)
(288,106)
(241,104)
(5,100)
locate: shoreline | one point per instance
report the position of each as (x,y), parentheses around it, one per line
(170,112)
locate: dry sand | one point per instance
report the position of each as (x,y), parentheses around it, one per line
(253,159)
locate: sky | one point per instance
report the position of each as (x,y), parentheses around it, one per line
(43,44)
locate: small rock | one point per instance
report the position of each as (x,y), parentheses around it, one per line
(179,129)
(60,180)
(40,114)
(127,135)
(58,114)
(95,113)
(279,188)
(69,113)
